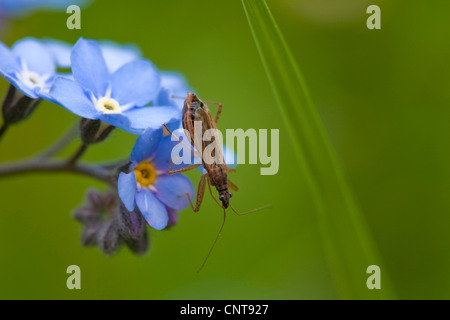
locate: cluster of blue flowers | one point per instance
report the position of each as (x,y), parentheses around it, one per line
(115,86)
(109,86)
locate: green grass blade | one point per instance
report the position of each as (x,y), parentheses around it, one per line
(348,243)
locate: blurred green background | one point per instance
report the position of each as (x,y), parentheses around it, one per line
(383,96)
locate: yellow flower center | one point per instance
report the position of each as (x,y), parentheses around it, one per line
(145,174)
(108,105)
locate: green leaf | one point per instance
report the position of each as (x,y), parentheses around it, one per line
(349,246)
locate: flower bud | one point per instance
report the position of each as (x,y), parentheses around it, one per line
(173,217)
(99,207)
(108,224)
(101,200)
(93,131)
(139,246)
(131,224)
(17,106)
(89,235)
(86,215)
(108,237)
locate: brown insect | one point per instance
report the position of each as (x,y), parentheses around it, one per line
(196,111)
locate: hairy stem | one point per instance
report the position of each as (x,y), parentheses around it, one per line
(35,166)
(3,129)
(117,164)
(81,150)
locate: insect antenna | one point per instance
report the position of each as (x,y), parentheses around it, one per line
(250,211)
(215,241)
(177,97)
(194,152)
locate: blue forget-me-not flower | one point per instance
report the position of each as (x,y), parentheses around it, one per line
(115,55)
(117,98)
(147,185)
(28,66)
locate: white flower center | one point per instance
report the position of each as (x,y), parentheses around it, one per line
(32,79)
(108,105)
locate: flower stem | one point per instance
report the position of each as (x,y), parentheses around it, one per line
(3,129)
(117,164)
(78,154)
(32,166)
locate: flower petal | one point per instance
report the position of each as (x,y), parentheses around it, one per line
(173,217)
(229,157)
(152,117)
(32,93)
(131,224)
(43,93)
(60,51)
(89,67)
(173,125)
(127,189)
(162,158)
(118,55)
(174,81)
(152,209)
(8,63)
(135,83)
(177,85)
(36,56)
(118,120)
(164,98)
(172,190)
(10,68)
(146,145)
(71,96)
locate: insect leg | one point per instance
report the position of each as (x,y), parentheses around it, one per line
(232,186)
(250,211)
(219,110)
(184,169)
(171,133)
(190,167)
(200,193)
(177,97)
(215,241)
